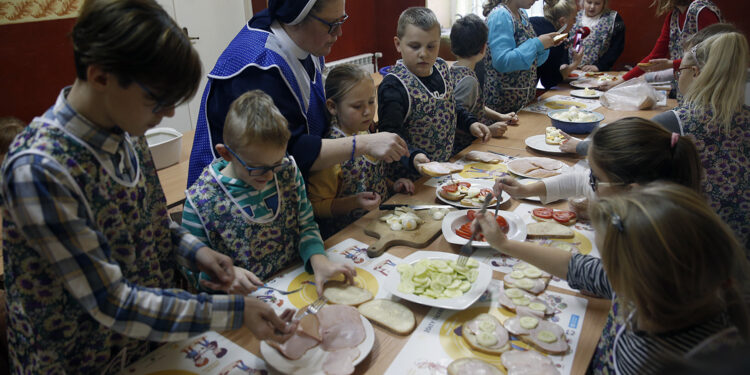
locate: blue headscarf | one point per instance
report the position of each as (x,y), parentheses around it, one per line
(290,12)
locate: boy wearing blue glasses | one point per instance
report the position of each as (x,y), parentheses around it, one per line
(251,203)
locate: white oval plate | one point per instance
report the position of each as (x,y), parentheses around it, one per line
(455,219)
(584,83)
(563,167)
(486,184)
(582,94)
(458,303)
(312,361)
(538,142)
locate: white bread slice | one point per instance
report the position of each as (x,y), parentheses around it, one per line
(341,293)
(437,169)
(558,38)
(474,366)
(391,315)
(548,230)
(482,156)
(457,196)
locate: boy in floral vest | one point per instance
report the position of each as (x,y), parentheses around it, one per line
(251,203)
(90,252)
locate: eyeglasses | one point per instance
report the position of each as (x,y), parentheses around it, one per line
(594,182)
(333,27)
(678,72)
(260,171)
(160,103)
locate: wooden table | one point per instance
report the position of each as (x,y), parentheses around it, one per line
(174,178)
(387,345)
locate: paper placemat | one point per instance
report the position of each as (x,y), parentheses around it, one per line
(561,102)
(436,342)
(209,353)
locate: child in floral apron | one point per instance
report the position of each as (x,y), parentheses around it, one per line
(90,251)
(514,53)
(469,44)
(655,319)
(606,41)
(343,193)
(251,203)
(415,99)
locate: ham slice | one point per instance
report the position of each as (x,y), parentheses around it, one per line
(340,327)
(482,156)
(548,164)
(537,286)
(340,362)
(560,346)
(436,169)
(527,363)
(296,346)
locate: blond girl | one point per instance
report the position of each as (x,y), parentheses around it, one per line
(343,193)
(606,41)
(671,267)
(557,13)
(712,79)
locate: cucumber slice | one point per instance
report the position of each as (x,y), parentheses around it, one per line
(525,284)
(452,293)
(517,275)
(514,293)
(521,301)
(472,276)
(445,269)
(472,263)
(455,284)
(424,280)
(528,322)
(486,339)
(520,266)
(532,272)
(444,280)
(487,325)
(537,306)
(406,287)
(546,336)
(465,286)
(402,267)
(437,287)
(419,269)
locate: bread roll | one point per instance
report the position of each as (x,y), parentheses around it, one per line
(341,293)
(391,315)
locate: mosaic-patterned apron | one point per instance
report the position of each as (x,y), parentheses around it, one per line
(49,331)
(597,43)
(263,248)
(509,92)
(357,176)
(430,122)
(602,362)
(464,139)
(726,161)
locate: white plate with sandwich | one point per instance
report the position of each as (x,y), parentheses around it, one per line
(539,143)
(586,93)
(536,167)
(468,193)
(453,221)
(476,289)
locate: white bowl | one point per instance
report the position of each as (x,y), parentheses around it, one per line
(165,145)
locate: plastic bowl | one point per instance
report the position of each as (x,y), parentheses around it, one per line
(575,127)
(165,145)
(384,70)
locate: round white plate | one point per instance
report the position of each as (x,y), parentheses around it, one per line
(459,303)
(562,169)
(313,360)
(454,219)
(584,83)
(582,94)
(486,184)
(538,142)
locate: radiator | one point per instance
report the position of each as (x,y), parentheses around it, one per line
(368,62)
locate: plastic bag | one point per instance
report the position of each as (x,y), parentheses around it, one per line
(633,95)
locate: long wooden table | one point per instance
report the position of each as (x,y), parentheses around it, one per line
(388,345)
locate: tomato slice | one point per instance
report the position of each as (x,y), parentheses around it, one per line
(563,216)
(463,234)
(471,214)
(484,192)
(503,224)
(452,188)
(464,184)
(543,212)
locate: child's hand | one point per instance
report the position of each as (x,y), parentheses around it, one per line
(403,185)
(325,270)
(385,146)
(217,266)
(510,118)
(263,322)
(590,68)
(487,225)
(656,65)
(420,159)
(498,129)
(578,57)
(548,40)
(610,84)
(368,200)
(569,144)
(480,131)
(509,185)
(245,282)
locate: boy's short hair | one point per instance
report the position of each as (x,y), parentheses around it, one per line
(253,118)
(137,41)
(9,128)
(420,17)
(468,36)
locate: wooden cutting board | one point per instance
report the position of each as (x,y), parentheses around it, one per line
(417,238)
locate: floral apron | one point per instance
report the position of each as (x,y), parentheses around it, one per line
(464,139)
(263,248)
(430,122)
(357,176)
(597,43)
(726,161)
(49,331)
(509,92)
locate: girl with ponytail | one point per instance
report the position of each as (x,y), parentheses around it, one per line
(557,13)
